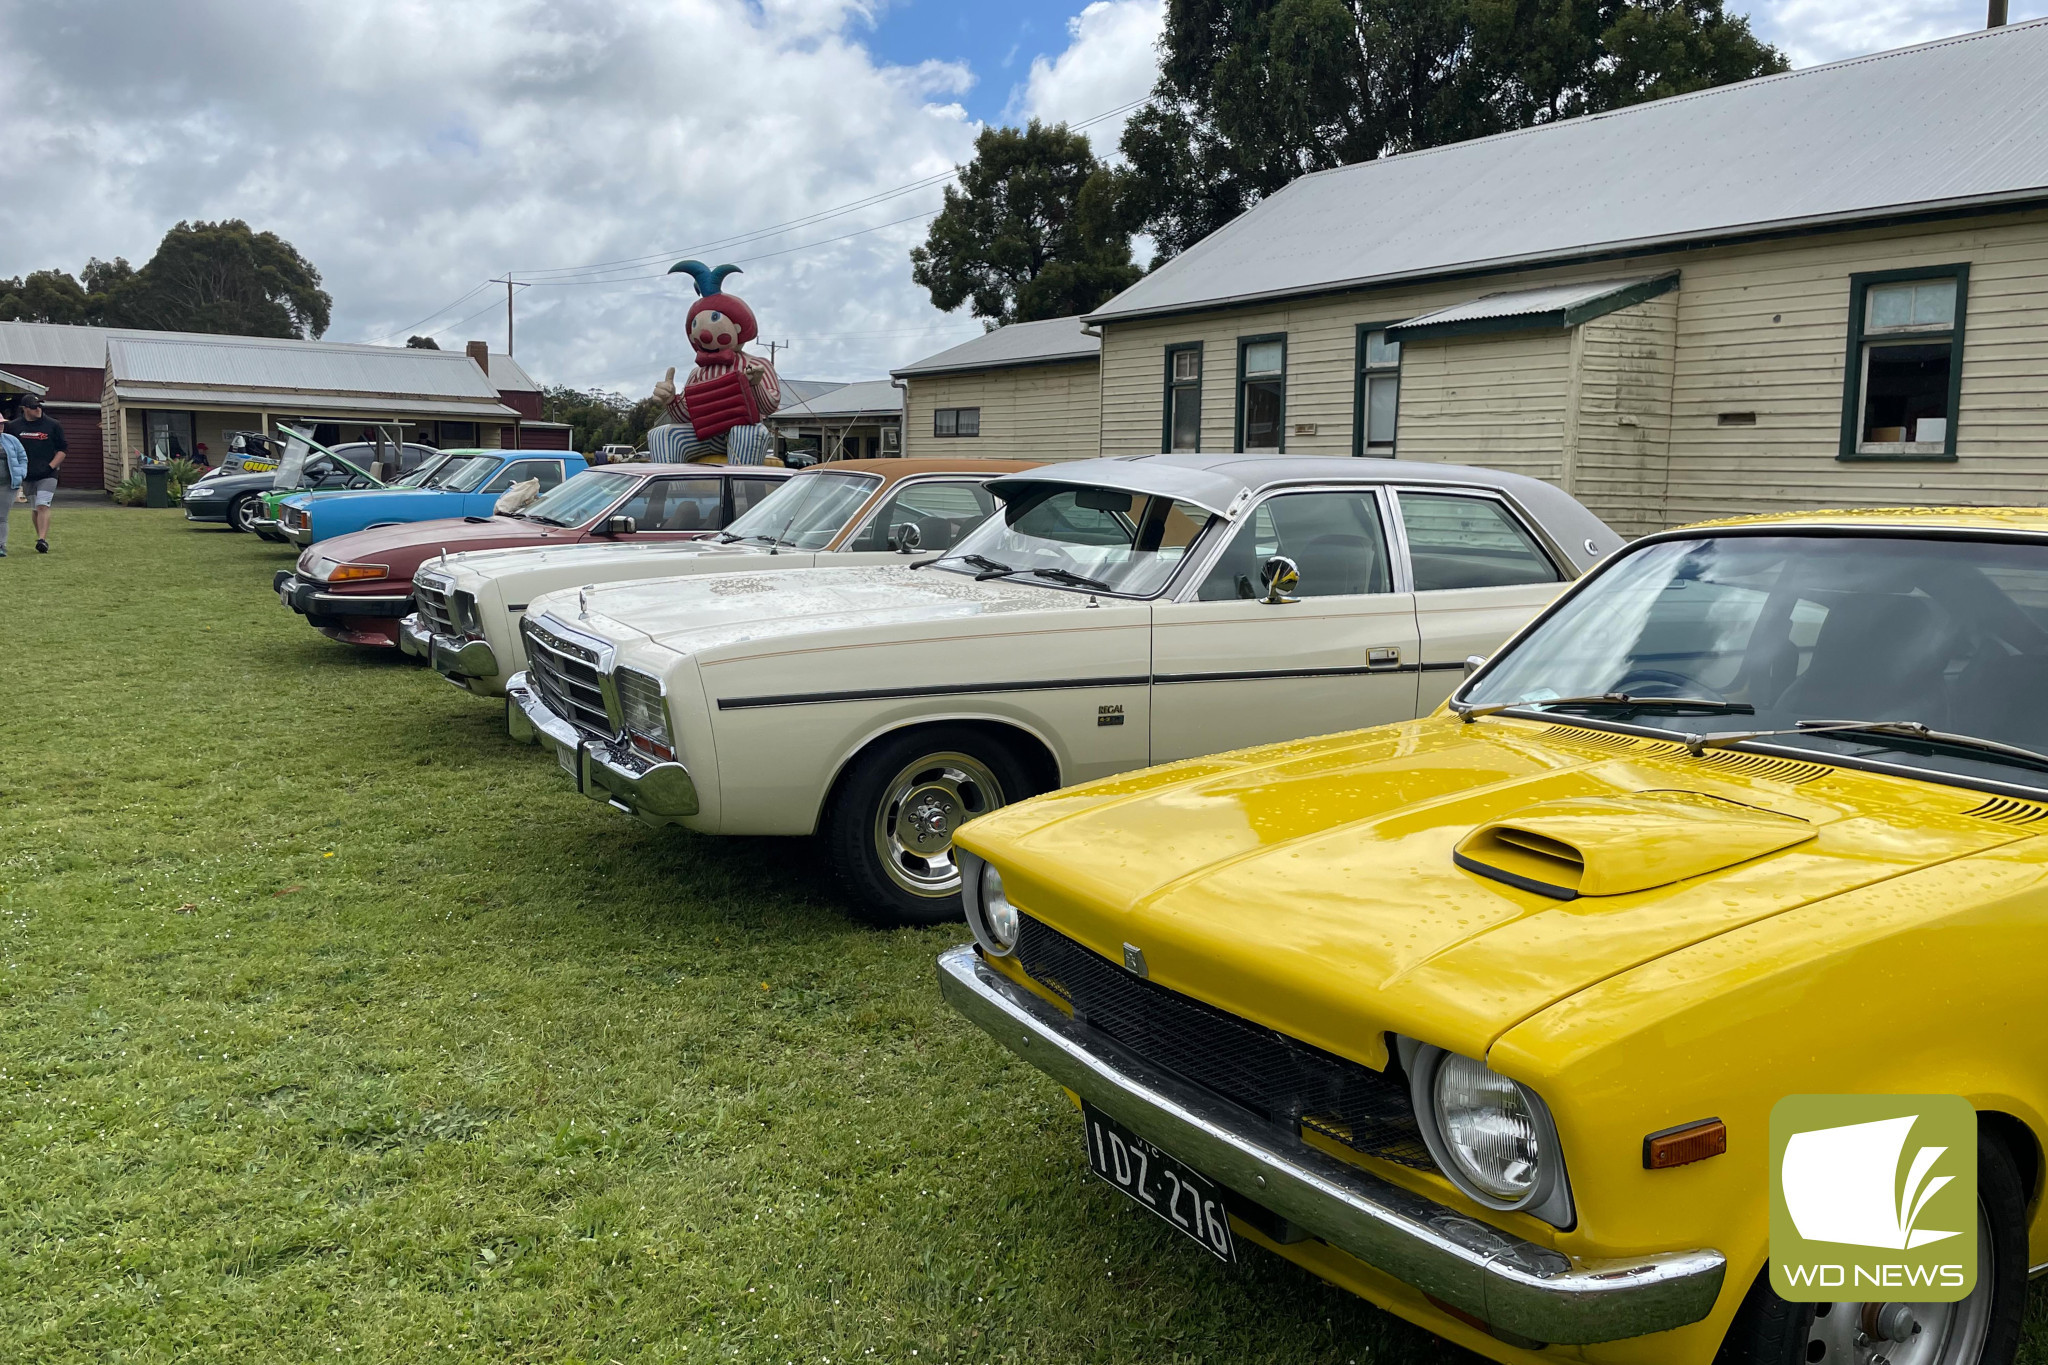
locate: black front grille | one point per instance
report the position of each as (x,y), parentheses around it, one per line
(1265,1071)
(432,601)
(565,673)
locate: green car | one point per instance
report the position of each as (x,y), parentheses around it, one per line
(307,467)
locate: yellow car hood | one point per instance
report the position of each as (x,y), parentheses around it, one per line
(1341,888)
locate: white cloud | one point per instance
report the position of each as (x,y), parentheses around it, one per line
(411,151)
(1113,59)
(1812,31)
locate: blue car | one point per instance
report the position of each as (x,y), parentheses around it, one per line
(469,484)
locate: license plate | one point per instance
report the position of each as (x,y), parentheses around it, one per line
(1186,1199)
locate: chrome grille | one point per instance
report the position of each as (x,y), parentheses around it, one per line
(430,595)
(565,673)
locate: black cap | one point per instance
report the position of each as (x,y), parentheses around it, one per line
(29,400)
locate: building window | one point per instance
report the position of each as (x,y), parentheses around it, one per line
(1377,399)
(1905,370)
(1183,398)
(1262,393)
(166,435)
(956,422)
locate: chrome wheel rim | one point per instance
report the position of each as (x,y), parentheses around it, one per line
(921,807)
(245,514)
(1948,1333)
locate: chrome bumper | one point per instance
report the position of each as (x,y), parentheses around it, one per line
(452,656)
(301,536)
(654,793)
(266,526)
(1517,1288)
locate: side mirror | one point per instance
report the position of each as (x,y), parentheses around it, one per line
(1281,576)
(620,526)
(906,538)
(1473,663)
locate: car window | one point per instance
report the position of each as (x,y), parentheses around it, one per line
(1334,538)
(1465,542)
(462,475)
(674,505)
(549,472)
(581,498)
(942,512)
(747,492)
(1085,539)
(805,512)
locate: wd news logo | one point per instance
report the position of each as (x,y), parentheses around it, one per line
(1873,1197)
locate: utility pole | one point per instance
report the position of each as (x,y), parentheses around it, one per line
(509,284)
(1996,18)
(773,347)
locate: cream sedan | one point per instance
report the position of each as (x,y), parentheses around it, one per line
(1116,613)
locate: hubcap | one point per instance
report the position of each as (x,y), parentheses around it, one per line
(1908,1333)
(921,807)
(245,513)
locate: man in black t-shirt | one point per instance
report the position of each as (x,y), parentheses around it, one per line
(44,441)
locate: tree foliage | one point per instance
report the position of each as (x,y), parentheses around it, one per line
(420,343)
(600,417)
(205,277)
(1253,93)
(1033,230)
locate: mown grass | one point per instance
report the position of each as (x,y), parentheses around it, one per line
(332,1026)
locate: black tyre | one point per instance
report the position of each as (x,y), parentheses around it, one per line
(242,512)
(1983,1329)
(889,826)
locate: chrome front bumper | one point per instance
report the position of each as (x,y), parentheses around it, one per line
(266,526)
(1517,1288)
(454,657)
(654,793)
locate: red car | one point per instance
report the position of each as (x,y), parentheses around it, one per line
(355,587)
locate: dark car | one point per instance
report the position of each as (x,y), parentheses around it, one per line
(233,495)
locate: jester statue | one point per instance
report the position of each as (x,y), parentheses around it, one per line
(717,414)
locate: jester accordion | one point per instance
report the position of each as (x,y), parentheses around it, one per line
(720,403)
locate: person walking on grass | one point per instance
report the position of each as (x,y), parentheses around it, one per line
(44,441)
(14,466)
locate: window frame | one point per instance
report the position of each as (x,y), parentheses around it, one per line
(956,434)
(1360,383)
(1855,369)
(512,466)
(1167,391)
(1561,564)
(1244,345)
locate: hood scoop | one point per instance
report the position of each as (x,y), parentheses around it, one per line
(1612,845)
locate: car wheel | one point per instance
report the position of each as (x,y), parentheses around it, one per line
(242,513)
(890,826)
(1983,1329)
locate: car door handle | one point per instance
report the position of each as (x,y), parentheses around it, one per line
(1383,657)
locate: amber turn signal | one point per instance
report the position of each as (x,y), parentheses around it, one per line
(1688,1142)
(344,573)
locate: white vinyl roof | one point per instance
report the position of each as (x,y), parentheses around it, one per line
(1048,341)
(1958,123)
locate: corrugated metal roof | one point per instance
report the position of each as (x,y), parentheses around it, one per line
(804,390)
(295,402)
(20,385)
(1551,305)
(1021,343)
(42,343)
(509,376)
(295,367)
(1960,122)
(868,398)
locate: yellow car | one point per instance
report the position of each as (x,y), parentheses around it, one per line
(1484,1016)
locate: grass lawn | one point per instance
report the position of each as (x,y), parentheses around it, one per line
(333,1026)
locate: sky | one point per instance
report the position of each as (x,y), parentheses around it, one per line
(414,151)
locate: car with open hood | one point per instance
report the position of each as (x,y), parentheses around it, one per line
(1485,1016)
(356,588)
(241,491)
(466,484)
(846,513)
(1114,613)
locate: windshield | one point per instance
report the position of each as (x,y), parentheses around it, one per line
(1952,634)
(806,512)
(463,473)
(580,499)
(424,475)
(1087,538)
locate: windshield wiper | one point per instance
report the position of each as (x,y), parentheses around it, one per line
(1069,576)
(1910,729)
(1730,708)
(990,568)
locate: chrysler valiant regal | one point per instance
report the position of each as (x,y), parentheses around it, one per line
(1115,613)
(355,588)
(848,512)
(1484,1016)
(467,485)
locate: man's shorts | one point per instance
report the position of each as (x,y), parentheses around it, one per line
(42,492)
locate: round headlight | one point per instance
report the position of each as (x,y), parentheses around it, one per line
(996,911)
(1489,1128)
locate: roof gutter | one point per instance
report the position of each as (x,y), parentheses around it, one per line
(2005,201)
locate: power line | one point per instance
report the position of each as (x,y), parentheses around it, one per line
(444,308)
(759,256)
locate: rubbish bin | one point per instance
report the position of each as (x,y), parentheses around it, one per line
(156,478)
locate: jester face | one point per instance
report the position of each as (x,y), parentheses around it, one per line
(712,330)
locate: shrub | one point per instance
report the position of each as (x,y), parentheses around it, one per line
(131,491)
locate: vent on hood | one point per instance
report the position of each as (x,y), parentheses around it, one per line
(2007,810)
(1612,845)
